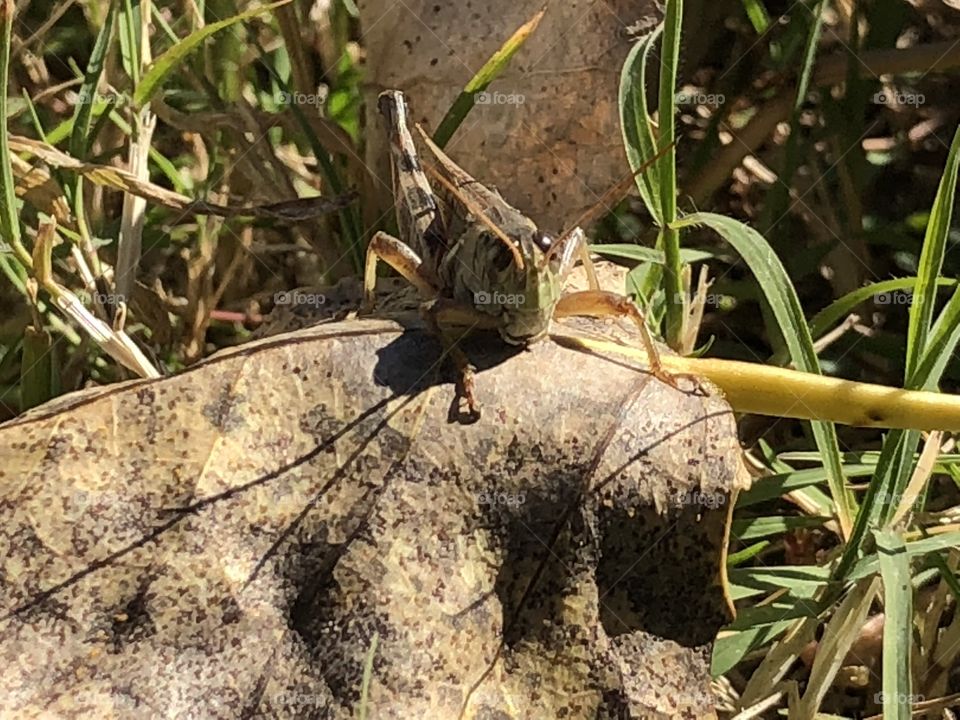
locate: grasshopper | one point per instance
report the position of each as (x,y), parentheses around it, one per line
(478,261)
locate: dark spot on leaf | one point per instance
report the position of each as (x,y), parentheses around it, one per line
(320,423)
(225,413)
(132,623)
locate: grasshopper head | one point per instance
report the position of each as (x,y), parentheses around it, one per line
(529,294)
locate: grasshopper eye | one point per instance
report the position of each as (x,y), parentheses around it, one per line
(544,242)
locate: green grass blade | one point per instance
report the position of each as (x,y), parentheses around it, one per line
(731,647)
(803,581)
(782,299)
(649,255)
(129,37)
(758,15)
(773,280)
(490,71)
(753,528)
(870,565)
(779,660)
(37,371)
(942,341)
(824,320)
(898,622)
(368,676)
(928,351)
(637,125)
(159,21)
(774,486)
(169,61)
(787,609)
(931,261)
(640,145)
(893,470)
(756,627)
(88,90)
(34,118)
(897,455)
(870,457)
(60,132)
(748,553)
(840,633)
(9,217)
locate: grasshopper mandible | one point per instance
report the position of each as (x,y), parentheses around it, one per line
(479,262)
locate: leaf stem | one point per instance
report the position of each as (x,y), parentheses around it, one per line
(672,278)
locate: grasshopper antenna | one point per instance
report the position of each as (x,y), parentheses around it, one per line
(610,198)
(478,213)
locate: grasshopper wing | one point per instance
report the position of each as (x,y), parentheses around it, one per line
(419,218)
(470,195)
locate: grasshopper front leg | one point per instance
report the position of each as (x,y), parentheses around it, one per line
(401,258)
(600,304)
(441,316)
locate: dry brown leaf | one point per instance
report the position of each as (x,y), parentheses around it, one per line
(228,541)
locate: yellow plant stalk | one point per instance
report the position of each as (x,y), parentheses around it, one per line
(780,392)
